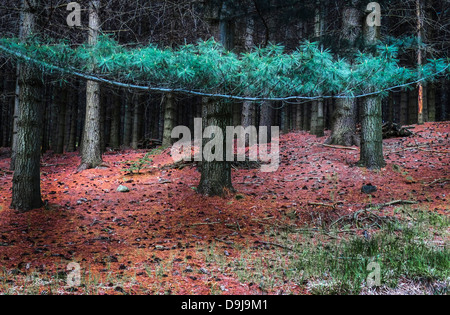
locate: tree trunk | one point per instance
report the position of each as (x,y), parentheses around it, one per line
(421,114)
(72,142)
(169,119)
(444,103)
(137,122)
(15,120)
(91,155)
(266,120)
(299,117)
(412,107)
(343,131)
(432,103)
(127,129)
(403,107)
(62,104)
(114,140)
(26,189)
(371,155)
(248,108)
(216,175)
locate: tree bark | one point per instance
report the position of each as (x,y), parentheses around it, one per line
(444,103)
(91,155)
(343,131)
(432,103)
(62,104)
(26,189)
(421,114)
(266,120)
(216,175)
(114,140)
(169,119)
(127,129)
(137,122)
(371,155)
(403,107)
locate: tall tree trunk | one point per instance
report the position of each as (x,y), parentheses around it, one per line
(444,103)
(419,8)
(62,104)
(371,155)
(91,155)
(432,103)
(114,139)
(317,109)
(248,108)
(26,189)
(127,129)
(266,120)
(403,107)
(413,107)
(72,142)
(137,122)
(169,119)
(15,120)
(343,131)
(216,175)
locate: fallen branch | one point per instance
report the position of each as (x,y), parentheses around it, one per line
(333,206)
(223,241)
(396,202)
(205,223)
(435,151)
(338,147)
(441,180)
(276,245)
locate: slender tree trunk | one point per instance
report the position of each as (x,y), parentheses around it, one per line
(15,120)
(317,109)
(91,155)
(248,108)
(72,142)
(421,116)
(62,104)
(115,123)
(127,129)
(432,103)
(169,119)
(413,107)
(444,103)
(137,122)
(403,107)
(26,189)
(299,117)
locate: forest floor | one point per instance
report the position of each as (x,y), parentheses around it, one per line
(164,238)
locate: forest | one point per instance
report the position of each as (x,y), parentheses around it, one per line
(224,147)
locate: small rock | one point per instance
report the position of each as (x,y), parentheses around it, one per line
(368,189)
(204,271)
(123,189)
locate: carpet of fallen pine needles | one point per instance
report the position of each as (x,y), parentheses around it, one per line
(156,238)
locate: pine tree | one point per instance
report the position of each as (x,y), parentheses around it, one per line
(91,154)
(26,189)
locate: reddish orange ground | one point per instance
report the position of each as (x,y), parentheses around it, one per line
(162,224)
